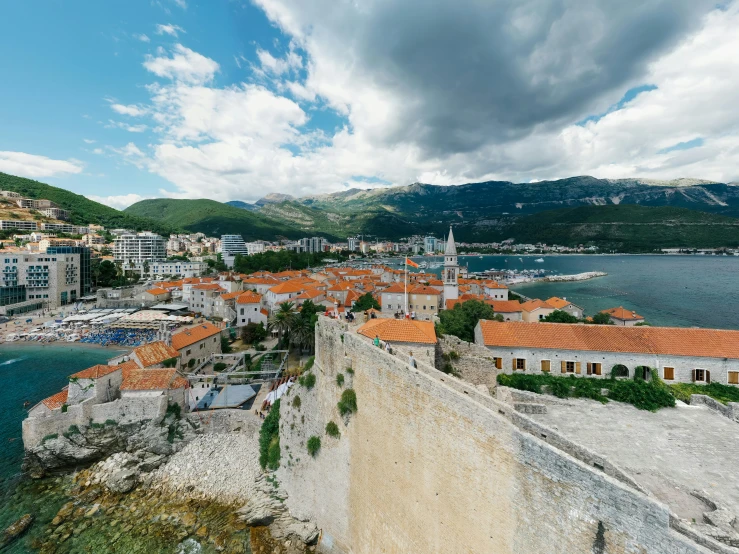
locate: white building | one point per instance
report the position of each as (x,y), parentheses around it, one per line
(254,248)
(133,248)
(429,244)
(231,246)
(43,280)
(678,354)
(177,268)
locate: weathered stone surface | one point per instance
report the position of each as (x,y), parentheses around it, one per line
(16,529)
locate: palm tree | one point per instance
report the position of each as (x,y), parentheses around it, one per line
(283,319)
(303,333)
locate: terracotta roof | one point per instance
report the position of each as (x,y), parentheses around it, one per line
(671,341)
(95,372)
(261,281)
(287,287)
(623,314)
(230,295)
(558,303)
(153,379)
(56,401)
(536,304)
(351,296)
(310,293)
(206,286)
(494,285)
(421,289)
(395,288)
(249,297)
(505,306)
(128,367)
(157,292)
(399,330)
(154,353)
(264,311)
(195,334)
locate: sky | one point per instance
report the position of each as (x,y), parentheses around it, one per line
(234,99)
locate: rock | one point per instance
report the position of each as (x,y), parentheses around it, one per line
(66,510)
(257,514)
(123,481)
(92,511)
(202,531)
(16,529)
(189,519)
(307,532)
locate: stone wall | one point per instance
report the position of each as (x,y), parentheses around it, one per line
(475,364)
(130,410)
(730,409)
(428,464)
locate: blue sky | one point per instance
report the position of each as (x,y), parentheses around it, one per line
(232,99)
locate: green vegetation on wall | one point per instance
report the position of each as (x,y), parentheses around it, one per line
(269,439)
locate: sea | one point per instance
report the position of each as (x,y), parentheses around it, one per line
(667,290)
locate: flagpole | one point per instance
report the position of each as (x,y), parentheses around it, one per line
(405,288)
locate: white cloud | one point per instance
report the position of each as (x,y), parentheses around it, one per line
(31,165)
(132,110)
(180,4)
(98,151)
(89,141)
(242,141)
(126,127)
(119,202)
(184,65)
(171,30)
(142,37)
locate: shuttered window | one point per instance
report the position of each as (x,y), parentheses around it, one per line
(578,367)
(515,364)
(700,375)
(594,368)
(521,363)
(564,366)
(498,363)
(569,367)
(734,377)
(668,373)
(546,365)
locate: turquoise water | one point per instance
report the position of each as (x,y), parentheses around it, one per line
(680,291)
(30,373)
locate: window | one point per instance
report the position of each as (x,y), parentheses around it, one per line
(594,368)
(734,377)
(187,353)
(701,376)
(498,363)
(519,364)
(668,373)
(546,365)
(568,367)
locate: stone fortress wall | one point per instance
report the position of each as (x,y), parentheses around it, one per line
(431,464)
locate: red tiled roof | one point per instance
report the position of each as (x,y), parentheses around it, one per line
(399,330)
(154,353)
(556,302)
(421,289)
(288,287)
(249,297)
(153,379)
(207,286)
(186,337)
(623,314)
(536,304)
(230,295)
(128,367)
(157,292)
(505,306)
(670,341)
(494,285)
(56,400)
(395,288)
(95,372)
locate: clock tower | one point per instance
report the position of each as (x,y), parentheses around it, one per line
(450,274)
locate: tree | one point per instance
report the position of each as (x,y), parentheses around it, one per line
(282,319)
(225,345)
(602,318)
(253,333)
(365,302)
(462,319)
(560,316)
(106,273)
(303,333)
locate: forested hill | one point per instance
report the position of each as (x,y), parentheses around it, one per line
(216,219)
(627,228)
(83,210)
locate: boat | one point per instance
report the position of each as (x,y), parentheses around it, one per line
(539,260)
(480,257)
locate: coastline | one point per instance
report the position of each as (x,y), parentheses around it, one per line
(71,345)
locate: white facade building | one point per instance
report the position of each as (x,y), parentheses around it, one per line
(138,248)
(49,279)
(451,270)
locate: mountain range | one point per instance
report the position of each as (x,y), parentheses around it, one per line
(622,214)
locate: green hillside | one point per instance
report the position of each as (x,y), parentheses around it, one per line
(83,210)
(214,219)
(627,228)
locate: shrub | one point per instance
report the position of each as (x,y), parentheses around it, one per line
(191,363)
(308,380)
(453,356)
(348,402)
(74,430)
(174,409)
(269,439)
(64,408)
(296,402)
(225,345)
(332,430)
(309,363)
(340,379)
(50,437)
(219,366)
(314,445)
(170,362)
(350,371)
(111,422)
(96,425)
(717,391)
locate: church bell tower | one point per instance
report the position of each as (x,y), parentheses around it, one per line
(450,274)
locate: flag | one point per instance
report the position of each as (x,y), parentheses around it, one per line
(411,263)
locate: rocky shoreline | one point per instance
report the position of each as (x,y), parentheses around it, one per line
(168,486)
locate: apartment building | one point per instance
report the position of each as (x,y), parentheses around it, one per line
(49,279)
(130,248)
